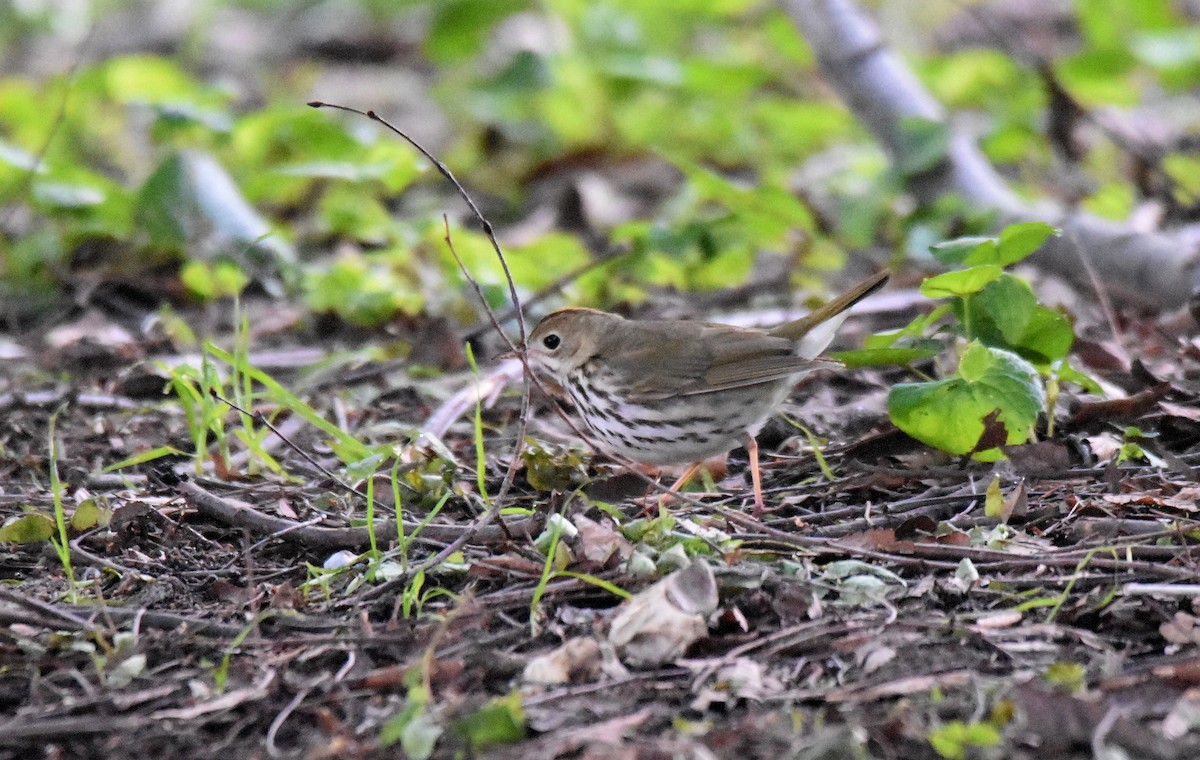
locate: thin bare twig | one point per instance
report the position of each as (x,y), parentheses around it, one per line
(518,351)
(231,513)
(554,287)
(261,419)
(50,610)
(488,230)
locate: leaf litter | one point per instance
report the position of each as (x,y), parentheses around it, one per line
(237,603)
(867,613)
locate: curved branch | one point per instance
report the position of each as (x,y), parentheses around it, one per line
(316,537)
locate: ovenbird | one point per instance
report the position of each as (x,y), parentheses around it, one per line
(678,392)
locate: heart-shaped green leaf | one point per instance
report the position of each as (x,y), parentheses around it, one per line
(923,144)
(950,414)
(1006,314)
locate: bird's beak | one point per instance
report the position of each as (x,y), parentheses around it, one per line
(507,355)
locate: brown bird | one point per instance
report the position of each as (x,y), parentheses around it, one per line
(678,392)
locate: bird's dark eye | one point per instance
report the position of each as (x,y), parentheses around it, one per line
(551,341)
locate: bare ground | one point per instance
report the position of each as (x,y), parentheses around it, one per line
(865,614)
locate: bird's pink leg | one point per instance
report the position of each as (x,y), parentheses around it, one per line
(755,476)
(680,482)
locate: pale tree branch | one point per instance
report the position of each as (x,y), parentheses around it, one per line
(1154,268)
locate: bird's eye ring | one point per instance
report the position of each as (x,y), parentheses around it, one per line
(551,341)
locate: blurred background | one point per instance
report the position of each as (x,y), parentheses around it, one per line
(158,155)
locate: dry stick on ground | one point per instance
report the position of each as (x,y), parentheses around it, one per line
(213,506)
(42,608)
(80,617)
(67,396)
(1157,268)
(303,533)
(922,554)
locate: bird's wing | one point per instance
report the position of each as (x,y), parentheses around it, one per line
(764,369)
(657,359)
(685,359)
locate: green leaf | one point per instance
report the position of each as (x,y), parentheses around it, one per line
(912,333)
(1067,373)
(993,504)
(1185,171)
(500,721)
(190,203)
(1048,336)
(526,74)
(31,528)
(1007,303)
(354,212)
(953,740)
(1108,24)
(961,283)
(958,250)
(1069,675)
(1019,240)
(551,470)
(413,727)
(1099,76)
(1112,200)
(1013,143)
(971,77)
(88,515)
(220,279)
(148,79)
(420,736)
(360,290)
(1006,314)
(145,456)
(798,127)
(884,357)
(459,28)
(281,152)
(768,213)
(949,414)
(1016,241)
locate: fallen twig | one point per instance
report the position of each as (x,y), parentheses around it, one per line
(314,537)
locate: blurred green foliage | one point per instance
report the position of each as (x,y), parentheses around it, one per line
(147,158)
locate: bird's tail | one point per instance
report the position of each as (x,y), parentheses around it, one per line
(814,332)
